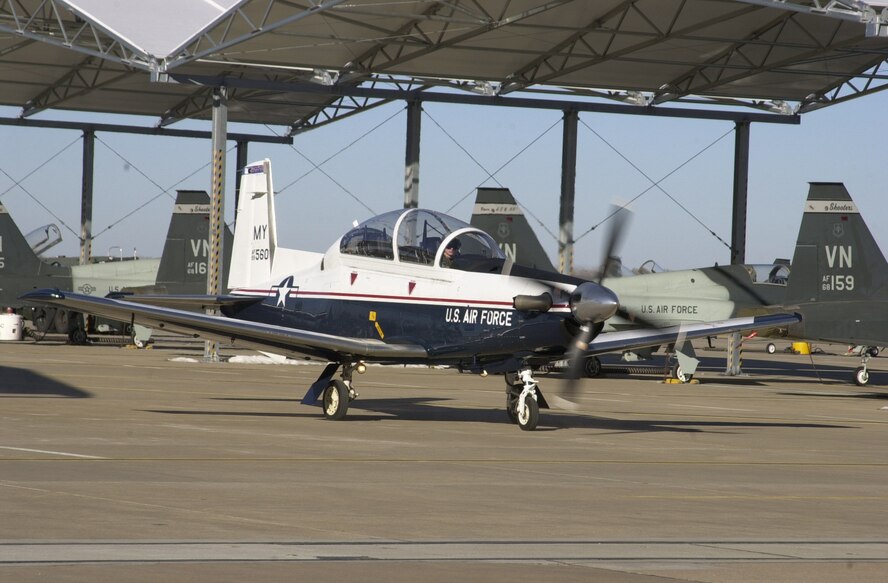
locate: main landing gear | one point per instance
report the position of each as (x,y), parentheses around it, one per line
(523,399)
(861,375)
(338,393)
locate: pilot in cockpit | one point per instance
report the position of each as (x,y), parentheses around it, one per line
(451,252)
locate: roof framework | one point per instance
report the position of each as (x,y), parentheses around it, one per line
(778,56)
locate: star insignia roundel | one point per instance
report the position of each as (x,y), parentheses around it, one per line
(283,291)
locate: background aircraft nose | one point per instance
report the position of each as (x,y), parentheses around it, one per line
(595,303)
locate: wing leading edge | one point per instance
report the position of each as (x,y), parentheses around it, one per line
(641,338)
(239,333)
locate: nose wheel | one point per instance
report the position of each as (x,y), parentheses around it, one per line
(522,404)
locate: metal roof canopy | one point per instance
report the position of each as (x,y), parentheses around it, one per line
(783,56)
(779,56)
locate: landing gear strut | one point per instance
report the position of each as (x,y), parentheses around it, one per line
(522,399)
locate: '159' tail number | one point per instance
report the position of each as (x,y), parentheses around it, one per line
(837,283)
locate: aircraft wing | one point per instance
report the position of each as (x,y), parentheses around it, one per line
(238,333)
(643,337)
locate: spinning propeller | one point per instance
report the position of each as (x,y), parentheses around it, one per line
(592,304)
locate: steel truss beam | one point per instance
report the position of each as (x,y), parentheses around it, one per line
(57,23)
(87,75)
(876,21)
(338,91)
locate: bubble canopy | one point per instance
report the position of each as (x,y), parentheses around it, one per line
(417,236)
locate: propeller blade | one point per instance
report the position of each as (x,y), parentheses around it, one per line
(614,240)
(566,398)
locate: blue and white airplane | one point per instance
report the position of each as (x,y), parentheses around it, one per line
(408,286)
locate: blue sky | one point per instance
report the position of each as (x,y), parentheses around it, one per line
(362,159)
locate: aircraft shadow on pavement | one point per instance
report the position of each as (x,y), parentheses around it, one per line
(433,409)
(20,382)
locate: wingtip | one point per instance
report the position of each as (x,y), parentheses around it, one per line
(43,294)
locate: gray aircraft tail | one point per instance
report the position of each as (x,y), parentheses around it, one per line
(497,213)
(183,266)
(839,276)
(17,258)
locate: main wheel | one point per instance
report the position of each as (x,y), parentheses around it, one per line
(861,376)
(680,375)
(529,415)
(771,348)
(78,336)
(592,367)
(336,400)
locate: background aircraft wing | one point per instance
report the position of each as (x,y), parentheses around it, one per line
(642,337)
(238,333)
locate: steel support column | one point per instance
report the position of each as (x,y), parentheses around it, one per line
(242,161)
(411,159)
(86,196)
(741,182)
(568,191)
(217,203)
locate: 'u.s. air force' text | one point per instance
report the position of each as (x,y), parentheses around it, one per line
(668,309)
(478,316)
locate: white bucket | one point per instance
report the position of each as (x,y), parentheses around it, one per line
(11,327)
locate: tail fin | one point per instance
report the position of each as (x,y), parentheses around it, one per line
(17,255)
(21,270)
(255,236)
(838,277)
(497,213)
(183,265)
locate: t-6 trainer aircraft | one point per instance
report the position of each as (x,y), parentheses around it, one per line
(408,286)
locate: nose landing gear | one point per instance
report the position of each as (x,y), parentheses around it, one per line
(522,397)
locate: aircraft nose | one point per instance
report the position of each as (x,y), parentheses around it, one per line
(595,303)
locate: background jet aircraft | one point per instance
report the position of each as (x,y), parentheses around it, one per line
(181,269)
(838,282)
(497,213)
(382,293)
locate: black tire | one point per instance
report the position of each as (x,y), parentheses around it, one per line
(680,375)
(78,336)
(771,348)
(336,400)
(592,367)
(861,376)
(528,418)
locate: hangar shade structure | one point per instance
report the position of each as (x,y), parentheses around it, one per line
(304,63)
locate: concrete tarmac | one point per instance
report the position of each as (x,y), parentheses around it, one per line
(144,465)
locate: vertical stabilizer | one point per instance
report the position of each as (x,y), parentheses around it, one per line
(255,237)
(497,213)
(183,265)
(16,254)
(839,275)
(21,270)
